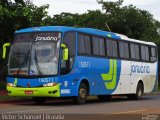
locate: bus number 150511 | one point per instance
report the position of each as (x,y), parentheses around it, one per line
(84,64)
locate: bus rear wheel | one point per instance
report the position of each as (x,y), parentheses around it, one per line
(39,100)
(104,98)
(82,95)
(139,93)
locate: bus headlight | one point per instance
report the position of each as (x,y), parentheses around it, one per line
(49,84)
(11,85)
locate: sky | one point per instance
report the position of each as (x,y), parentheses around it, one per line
(81,6)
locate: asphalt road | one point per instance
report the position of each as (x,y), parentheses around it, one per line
(115,107)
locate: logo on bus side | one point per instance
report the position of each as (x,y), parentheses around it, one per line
(110,78)
(140,69)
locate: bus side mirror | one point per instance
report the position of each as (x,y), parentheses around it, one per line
(64,52)
(5,50)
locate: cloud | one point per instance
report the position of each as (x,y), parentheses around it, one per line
(81,6)
(90,2)
(73,6)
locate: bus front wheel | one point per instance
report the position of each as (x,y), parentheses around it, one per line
(82,94)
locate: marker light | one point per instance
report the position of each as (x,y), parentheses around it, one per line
(49,84)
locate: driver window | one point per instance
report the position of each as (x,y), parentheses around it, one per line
(70,42)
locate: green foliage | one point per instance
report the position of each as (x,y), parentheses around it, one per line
(18,15)
(89,19)
(127,20)
(65,19)
(14,16)
(92,19)
(111,8)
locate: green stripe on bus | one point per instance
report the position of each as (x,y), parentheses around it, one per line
(111,76)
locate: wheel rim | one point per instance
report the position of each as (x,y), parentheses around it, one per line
(82,93)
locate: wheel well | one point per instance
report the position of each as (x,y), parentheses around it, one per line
(141,82)
(85,81)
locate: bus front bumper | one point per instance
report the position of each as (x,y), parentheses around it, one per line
(35,92)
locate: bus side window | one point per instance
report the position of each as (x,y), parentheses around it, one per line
(87,45)
(84,45)
(115,48)
(144,53)
(81,44)
(95,44)
(153,54)
(112,48)
(124,50)
(109,48)
(101,47)
(134,50)
(137,51)
(98,46)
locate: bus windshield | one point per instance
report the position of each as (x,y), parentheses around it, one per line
(35,54)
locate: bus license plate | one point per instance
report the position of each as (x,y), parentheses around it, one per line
(28,92)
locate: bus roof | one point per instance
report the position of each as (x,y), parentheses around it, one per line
(84,30)
(66,29)
(135,40)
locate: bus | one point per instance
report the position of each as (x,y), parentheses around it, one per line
(67,62)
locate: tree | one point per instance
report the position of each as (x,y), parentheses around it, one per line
(18,15)
(129,20)
(88,19)
(92,19)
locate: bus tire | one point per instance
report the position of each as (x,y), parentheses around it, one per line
(39,100)
(139,93)
(104,98)
(82,94)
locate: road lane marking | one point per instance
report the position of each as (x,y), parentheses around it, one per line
(125,112)
(34,110)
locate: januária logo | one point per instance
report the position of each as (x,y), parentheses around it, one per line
(48,38)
